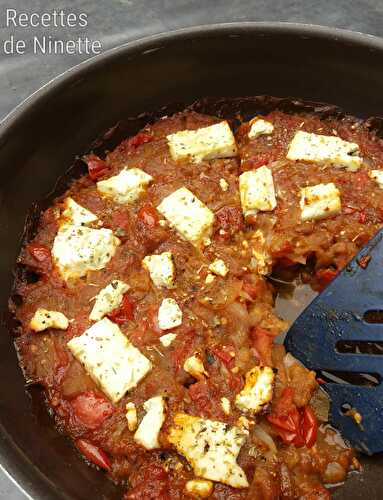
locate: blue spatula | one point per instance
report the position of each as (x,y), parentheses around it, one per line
(348,312)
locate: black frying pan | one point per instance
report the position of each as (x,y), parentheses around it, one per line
(41,138)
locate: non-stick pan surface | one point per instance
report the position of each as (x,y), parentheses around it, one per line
(41,138)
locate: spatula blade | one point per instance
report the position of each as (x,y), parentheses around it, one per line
(335,315)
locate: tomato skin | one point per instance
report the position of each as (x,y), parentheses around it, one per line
(123,313)
(223,353)
(251,290)
(310,426)
(91,409)
(139,139)
(96,167)
(94,454)
(362,217)
(39,252)
(262,342)
(148,215)
(294,426)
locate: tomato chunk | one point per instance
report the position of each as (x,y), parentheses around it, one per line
(138,139)
(148,215)
(91,409)
(123,313)
(262,342)
(41,253)
(96,167)
(294,426)
(225,353)
(94,454)
(309,426)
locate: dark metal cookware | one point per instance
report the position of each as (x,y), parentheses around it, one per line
(40,139)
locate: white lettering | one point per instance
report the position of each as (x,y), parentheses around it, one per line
(11,17)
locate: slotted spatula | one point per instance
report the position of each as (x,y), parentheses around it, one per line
(339,314)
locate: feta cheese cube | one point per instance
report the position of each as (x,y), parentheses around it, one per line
(219,267)
(207,143)
(324,149)
(161,269)
(225,403)
(148,431)
(189,216)
(110,359)
(167,339)
(43,319)
(126,187)
(108,299)
(211,448)
(258,127)
(78,249)
(320,201)
(76,214)
(256,188)
(200,488)
(131,416)
(169,314)
(194,366)
(258,390)
(377,175)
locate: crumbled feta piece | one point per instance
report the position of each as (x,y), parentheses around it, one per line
(211,448)
(108,298)
(77,250)
(194,366)
(261,261)
(161,269)
(169,314)
(75,214)
(244,423)
(324,149)
(131,416)
(377,175)
(207,143)
(43,319)
(225,403)
(126,187)
(167,339)
(150,426)
(201,488)
(219,267)
(258,127)
(209,278)
(223,184)
(110,359)
(320,201)
(258,390)
(256,188)
(189,216)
